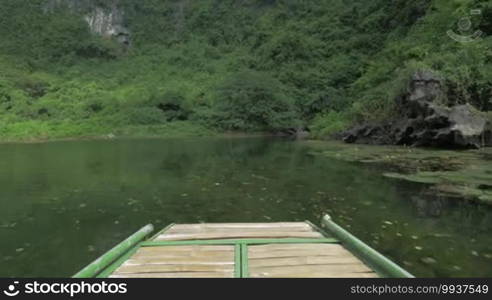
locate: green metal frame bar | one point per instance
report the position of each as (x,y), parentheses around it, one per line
(240,241)
(241,266)
(120,261)
(244,260)
(94,268)
(379,263)
(237,261)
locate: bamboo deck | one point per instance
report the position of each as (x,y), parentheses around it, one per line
(241,250)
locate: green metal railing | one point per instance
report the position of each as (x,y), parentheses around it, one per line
(94,268)
(379,263)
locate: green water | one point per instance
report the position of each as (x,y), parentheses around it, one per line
(65,203)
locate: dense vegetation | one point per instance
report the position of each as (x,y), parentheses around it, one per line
(197,67)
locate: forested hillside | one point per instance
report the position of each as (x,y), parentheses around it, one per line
(195,67)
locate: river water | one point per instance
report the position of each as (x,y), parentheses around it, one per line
(62,204)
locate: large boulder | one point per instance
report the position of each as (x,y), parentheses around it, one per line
(424,120)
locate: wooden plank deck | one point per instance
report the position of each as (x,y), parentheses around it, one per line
(180,262)
(187,232)
(302,259)
(305,260)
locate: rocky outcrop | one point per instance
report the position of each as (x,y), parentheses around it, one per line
(105,20)
(422,120)
(108,23)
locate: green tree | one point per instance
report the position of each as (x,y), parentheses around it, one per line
(252,100)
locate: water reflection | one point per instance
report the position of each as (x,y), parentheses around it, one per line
(429,207)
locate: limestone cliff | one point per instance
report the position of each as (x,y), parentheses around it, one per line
(105,18)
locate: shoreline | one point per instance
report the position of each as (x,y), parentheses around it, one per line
(110,137)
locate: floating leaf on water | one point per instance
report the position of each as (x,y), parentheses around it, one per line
(388,223)
(457,268)
(399,234)
(217,183)
(82,205)
(19,250)
(474,253)
(383,226)
(418,248)
(184,195)
(116,222)
(441,235)
(267,217)
(91,248)
(414,237)
(428,260)
(487,255)
(407,263)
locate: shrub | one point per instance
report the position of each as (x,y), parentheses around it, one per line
(252,100)
(173,105)
(326,125)
(146,116)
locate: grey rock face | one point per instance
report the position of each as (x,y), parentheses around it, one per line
(424,86)
(107,21)
(422,121)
